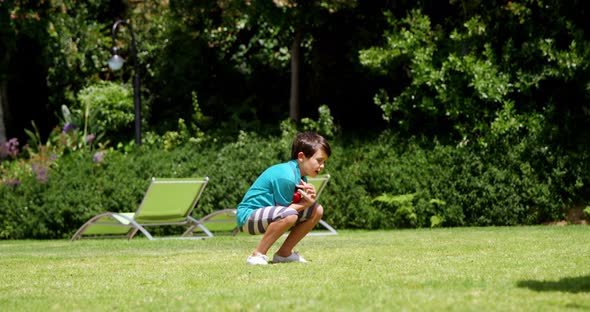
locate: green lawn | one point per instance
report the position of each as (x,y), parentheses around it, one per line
(461,269)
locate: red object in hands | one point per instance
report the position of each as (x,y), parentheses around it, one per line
(296,197)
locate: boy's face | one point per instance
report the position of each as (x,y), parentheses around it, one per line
(311,166)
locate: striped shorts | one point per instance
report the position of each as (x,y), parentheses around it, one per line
(261,218)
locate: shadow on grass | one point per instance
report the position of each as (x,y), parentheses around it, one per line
(568,284)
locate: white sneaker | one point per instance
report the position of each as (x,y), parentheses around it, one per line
(257,259)
(294,257)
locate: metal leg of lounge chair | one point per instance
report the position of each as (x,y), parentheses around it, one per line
(331,230)
(327,226)
(132,224)
(131,233)
(78,233)
(196,223)
(141,229)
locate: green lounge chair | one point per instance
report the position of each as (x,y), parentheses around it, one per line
(320,183)
(167,201)
(225,220)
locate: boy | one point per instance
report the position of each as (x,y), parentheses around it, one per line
(281,198)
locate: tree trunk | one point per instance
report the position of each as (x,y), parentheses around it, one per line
(3,103)
(294,104)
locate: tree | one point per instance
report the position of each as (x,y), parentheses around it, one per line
(462,72)
(22,32)
(299,17)
(6,46)
(50,50)
(275,35)
(3,104)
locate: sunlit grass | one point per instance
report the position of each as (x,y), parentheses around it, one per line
(462,269)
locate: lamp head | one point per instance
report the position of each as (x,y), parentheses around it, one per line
(116,61)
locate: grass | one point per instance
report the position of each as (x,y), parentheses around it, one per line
(459,269)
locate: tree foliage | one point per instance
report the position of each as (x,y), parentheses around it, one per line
(458,76)
(54,48)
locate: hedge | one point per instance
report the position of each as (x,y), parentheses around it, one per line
(377,183)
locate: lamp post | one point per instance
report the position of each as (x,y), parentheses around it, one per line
(116,62)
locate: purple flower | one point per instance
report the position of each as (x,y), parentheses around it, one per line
(9,148)
(68,128)
(13,182)
(12,147)
(98,157)
(90,138)
(40,171)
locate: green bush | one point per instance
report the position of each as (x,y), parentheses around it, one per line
(105,108)
(400,209)
(376,183)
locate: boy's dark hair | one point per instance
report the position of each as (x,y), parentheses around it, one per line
(309,143)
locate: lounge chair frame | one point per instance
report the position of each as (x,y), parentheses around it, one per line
(117,224)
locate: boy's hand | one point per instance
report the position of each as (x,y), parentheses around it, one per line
(306,195)
(306,199)
(308,188)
